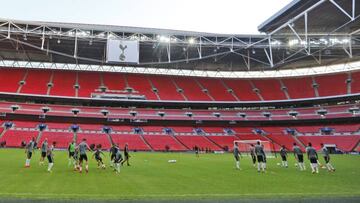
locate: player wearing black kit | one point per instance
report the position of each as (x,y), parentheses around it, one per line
(44,147)
(260,155)
(97,154)
(283,154)
(299,157)
(126,155)
(50,156)
(118,159)
(237,155)
(253,155)
(112,155)
(83,146)
(29,151)
(326,155)
(313,157)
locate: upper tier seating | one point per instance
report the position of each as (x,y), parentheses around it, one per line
(216,89)
(141,86)
(355,83)
(191,89)
(270,89)
(10,79)
(178,88)
(63,84)
(114,81)
(36,82)
(330,85)
(89,82)
(166,89)
(242,89)
(299,87)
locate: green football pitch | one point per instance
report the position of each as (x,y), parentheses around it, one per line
(150,176)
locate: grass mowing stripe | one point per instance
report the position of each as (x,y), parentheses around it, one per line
(183,195)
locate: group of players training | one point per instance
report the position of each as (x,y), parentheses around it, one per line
(78,155)
(258,155)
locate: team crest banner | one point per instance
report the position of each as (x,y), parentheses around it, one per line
(122,51)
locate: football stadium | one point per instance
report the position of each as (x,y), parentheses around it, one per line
(93,113)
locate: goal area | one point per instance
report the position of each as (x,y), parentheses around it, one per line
(245,146)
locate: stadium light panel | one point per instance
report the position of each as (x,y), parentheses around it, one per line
(275,43)
(191,41)
(323,40)
(293,42)
(164,39)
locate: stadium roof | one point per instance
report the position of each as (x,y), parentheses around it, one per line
(327,16)
(303,34)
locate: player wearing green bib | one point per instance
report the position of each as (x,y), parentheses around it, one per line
(71,150)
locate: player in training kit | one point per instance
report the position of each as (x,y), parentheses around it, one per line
(97,154)
(126,155)
(299,157)
(44,147)
(76,159)
(252,153)
(313,157)
(326,155)
(29,151)
(197,149)
(112,155)
(117,160)
(83,146)
(237,155)
(262,148)
(50,156)
(71,150)
(260,155)
(283,154)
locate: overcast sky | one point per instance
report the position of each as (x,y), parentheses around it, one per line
(217,16)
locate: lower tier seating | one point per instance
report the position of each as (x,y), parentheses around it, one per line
(134,141)
(344,143)
(224,141)
(62,139)
(284,139)
(95,139)
(159,143)
(199,141)
(14,138)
